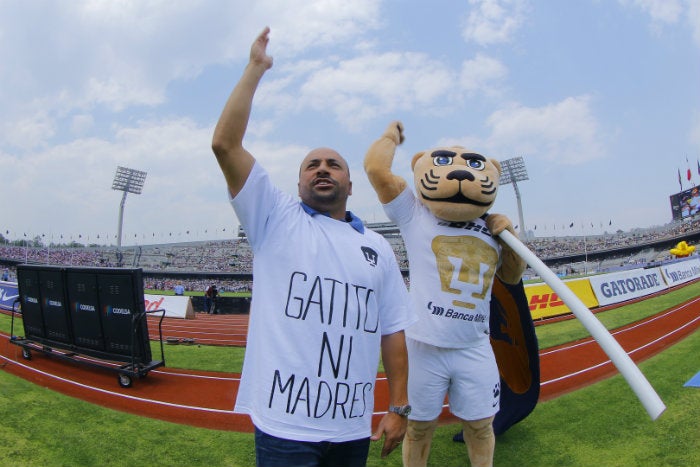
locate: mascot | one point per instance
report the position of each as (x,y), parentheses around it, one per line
(682,250)
(455,260)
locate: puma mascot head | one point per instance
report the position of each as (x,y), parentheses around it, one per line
(455,183)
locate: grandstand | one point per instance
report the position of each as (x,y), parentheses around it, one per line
(230,261)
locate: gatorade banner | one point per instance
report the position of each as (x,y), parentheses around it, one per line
(626,285)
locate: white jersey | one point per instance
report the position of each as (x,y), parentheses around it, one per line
(452,265)
(323,295)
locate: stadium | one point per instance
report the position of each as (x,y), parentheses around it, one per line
(75,353)
(118,357)
(228,264)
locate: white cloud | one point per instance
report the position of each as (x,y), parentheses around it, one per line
(123,54)
(694,19)
(81,124)
(365,87)
(482,74)
(319,24)
(26,132)
(493,21)
(670,12)
(78,176)
(564,133)
(664,11)
(373,85)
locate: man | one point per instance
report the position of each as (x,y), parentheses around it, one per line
(328,295)
(214,297)
(209,299)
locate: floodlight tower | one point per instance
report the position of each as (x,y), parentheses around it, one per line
(128,181)
(513,171)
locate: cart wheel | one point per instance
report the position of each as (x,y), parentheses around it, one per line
(124,380)
(26,353)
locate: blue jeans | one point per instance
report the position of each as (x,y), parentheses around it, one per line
(277,452)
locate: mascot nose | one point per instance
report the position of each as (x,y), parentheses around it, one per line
(460,175)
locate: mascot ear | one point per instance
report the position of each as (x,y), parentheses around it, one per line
(498,166)
(415,159)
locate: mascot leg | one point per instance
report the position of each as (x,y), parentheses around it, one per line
(480,441)
(416,443)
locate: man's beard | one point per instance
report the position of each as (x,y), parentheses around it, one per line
(326,196)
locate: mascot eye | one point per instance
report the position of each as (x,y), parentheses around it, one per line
(476,164)
(442,160)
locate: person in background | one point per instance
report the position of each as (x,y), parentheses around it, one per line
(328,297)
(214,299)
(207,299)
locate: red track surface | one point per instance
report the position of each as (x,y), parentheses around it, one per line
(206,399)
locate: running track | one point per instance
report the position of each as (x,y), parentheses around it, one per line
(206,399)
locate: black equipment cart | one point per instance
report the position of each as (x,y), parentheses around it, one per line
(93,316)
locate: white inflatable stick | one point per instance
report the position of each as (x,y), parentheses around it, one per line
(639,384)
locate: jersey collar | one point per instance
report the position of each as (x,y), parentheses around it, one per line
(354,221)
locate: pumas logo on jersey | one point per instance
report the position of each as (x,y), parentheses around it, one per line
(370,255)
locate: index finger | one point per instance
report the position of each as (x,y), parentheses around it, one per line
(389,446)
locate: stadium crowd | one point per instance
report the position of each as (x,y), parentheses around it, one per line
(197,285)
(553,247)
(235,256)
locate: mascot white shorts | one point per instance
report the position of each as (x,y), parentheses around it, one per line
(469,376)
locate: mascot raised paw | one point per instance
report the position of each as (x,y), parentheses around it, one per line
(456,263)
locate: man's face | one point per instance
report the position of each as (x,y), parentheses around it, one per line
(324,181)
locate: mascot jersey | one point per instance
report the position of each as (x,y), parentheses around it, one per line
(452,266)
(323,295)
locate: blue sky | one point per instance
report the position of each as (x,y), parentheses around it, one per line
(601,98)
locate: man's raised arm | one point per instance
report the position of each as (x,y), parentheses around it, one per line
(235,161)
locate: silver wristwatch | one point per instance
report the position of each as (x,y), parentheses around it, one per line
(402,410)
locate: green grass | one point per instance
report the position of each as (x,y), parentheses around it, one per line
(205,357)
(44,428)
(601,425)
